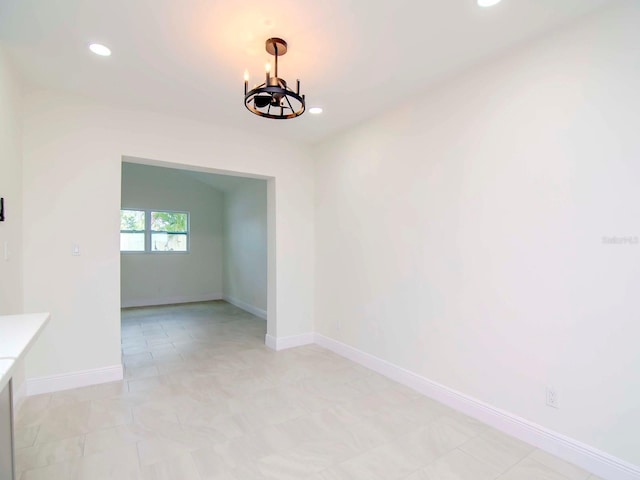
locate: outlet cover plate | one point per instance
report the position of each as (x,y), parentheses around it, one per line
(552,397)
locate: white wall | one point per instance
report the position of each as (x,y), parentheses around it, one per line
(460,236)
(245,246)
(11,190)
(73,150)
(164,278)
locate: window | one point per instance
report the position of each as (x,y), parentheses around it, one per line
(154,231)
(132,227)
(169,231)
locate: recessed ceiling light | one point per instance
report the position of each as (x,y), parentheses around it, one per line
(315,110)
(99,49)
(488,3)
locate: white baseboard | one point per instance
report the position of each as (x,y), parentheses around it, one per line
(66,381)
(271,342)
(152,302)
(258,312)
(282,343)
(598,462)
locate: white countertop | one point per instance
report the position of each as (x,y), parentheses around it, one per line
(17,334)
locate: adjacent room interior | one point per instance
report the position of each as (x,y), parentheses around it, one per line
(188,236)
(408,250)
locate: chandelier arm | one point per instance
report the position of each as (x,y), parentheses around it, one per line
(289,102)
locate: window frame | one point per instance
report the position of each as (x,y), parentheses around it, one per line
(148,232)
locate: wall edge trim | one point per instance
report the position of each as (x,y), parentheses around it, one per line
(67,381)
(258,312)
(282,343)
(152,302)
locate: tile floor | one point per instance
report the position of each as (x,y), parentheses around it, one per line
(204,399)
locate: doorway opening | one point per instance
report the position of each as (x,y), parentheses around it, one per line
(196,235)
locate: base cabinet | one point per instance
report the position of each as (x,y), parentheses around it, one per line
(6,434)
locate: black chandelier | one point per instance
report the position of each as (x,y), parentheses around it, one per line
(274,99)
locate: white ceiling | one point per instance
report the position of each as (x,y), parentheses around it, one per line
(355,58)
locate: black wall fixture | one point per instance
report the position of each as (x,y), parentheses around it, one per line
(2,209)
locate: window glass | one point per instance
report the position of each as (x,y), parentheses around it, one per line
(169,222)
(132,230)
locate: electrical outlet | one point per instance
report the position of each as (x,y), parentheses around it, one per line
(552,397)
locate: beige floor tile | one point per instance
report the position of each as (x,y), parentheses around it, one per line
(134,349)
(529,469)
(212,465)
(65,470)
(179,365)
(25,436)
(361,436)
(433,440)
(181,467)
(456,465)
(94,392)
(109,438)
(115,464)
(141,372)
(158,450)
(71,397)
(137,359)
(32,411)
(570,471)
(464,423)
(421,410)
(49,453)
(149,385)
(297,462)
(108,413)
(387,462)
(109,390)
(64,421)
(497,449)
(166,355)
(155,422)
